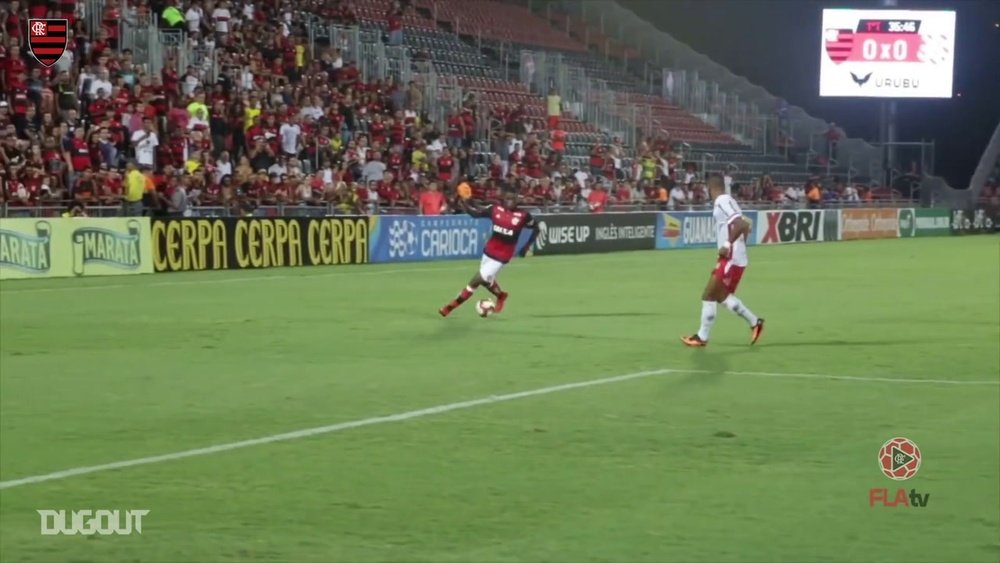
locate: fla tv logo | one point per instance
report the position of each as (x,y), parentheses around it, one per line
(899,460)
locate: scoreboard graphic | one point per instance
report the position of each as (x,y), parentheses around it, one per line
(887,54)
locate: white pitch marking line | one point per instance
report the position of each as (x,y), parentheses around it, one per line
(440,409)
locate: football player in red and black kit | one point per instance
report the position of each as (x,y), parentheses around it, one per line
(508,222)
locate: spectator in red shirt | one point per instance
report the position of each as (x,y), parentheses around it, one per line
(542,192)
(394,23)
(432,201)
(445,166)
(624,193)
(533,164)
(598,199)
(388,192)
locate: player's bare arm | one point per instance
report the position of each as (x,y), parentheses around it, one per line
(739,227)
(472,209)
(531,240)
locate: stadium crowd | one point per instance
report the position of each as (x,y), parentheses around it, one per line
(280,128)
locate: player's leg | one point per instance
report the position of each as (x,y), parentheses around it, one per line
(487,270)
(462,297)
(493,286)
(710,298)
(730,282)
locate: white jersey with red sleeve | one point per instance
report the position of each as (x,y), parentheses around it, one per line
(725,211)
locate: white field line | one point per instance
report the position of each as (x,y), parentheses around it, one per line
(440,409)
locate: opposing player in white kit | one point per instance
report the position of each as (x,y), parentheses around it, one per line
(733,231)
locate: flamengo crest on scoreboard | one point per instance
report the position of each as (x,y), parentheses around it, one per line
(47,39)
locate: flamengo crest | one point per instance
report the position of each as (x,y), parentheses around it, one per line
(47,40)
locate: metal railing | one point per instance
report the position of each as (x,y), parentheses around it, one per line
(586,98)
(328,209)
(377,60)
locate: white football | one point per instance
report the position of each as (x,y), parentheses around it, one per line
(485,307)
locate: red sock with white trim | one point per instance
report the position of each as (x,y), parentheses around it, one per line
(462,298)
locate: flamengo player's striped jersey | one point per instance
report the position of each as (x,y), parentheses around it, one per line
(507,227)
(725,211)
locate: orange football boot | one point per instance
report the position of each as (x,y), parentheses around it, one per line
(694,341)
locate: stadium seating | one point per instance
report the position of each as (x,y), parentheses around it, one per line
(459,40)
(499,21)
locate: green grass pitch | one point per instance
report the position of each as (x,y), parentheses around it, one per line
(735,459)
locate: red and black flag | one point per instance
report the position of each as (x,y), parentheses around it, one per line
(47,39)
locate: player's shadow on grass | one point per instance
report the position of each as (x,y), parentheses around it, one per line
(591,315)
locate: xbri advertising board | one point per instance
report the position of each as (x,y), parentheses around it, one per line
(233,244)
(74,247)
(779,227)
(694,229)
(598,232)
(415,238)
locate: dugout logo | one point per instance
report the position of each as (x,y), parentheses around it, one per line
(899,459)
(402,239)
(91,522)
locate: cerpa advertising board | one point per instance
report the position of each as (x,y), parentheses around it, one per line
(185,244)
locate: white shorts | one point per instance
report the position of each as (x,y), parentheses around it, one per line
(489,269)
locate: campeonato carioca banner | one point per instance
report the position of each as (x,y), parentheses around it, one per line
(416,238)
(74,247)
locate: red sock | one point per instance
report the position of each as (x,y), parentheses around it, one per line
(494,288)
(462,298)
